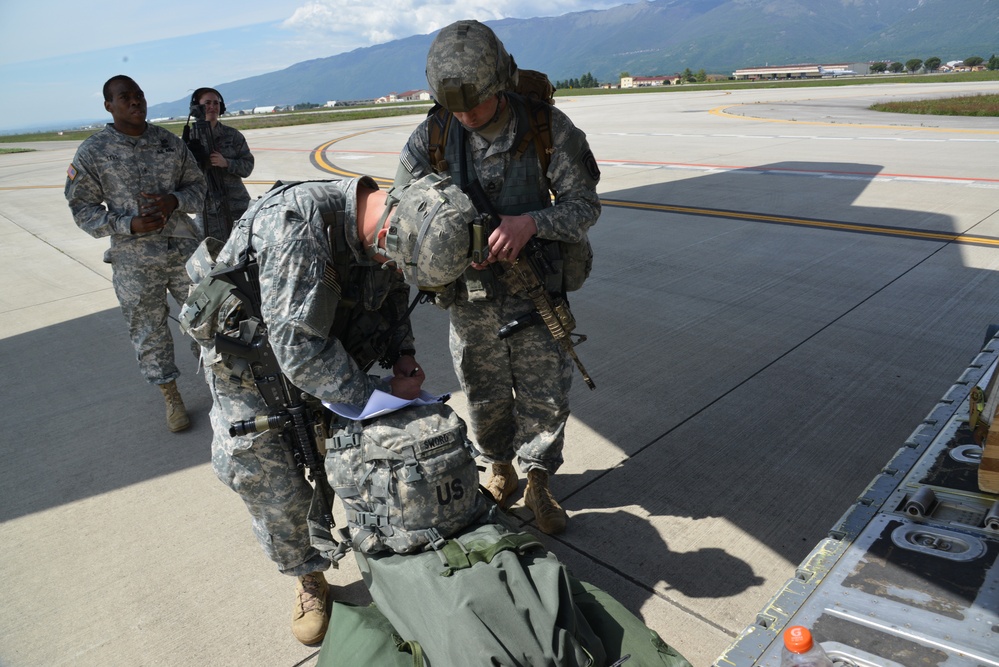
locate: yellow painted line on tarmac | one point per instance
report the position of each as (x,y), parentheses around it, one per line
(723,113)
(808,222)
(319,157)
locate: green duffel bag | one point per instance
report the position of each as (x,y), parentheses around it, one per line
(363,637)
(625,637)
(490,596)
(487,596)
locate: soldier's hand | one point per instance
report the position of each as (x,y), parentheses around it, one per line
(507,240)
(408,377)
(407,388)
(218,161)
(407,367)
(154,211)
(144,224)
(161,205)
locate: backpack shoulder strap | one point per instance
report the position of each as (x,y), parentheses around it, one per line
(539,132)
(440,123)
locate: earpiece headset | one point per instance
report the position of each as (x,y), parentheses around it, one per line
(201,91)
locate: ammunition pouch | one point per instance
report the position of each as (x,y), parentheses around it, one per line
(577,262)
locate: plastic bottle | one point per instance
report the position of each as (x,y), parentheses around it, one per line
(800,651)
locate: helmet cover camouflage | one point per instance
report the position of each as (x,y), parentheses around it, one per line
(467,64)
(428,237)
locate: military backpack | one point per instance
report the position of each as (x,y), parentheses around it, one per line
(407,479)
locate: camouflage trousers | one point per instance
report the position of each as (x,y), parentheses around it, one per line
(261,470)
(517,388)
(145,269)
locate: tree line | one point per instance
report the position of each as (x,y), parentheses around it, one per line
(913,65)
(585,81)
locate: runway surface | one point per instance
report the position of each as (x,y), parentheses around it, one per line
(785,284)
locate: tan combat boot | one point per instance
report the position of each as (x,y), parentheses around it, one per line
(310,620)
(503,483)
(548,513)
(176,414)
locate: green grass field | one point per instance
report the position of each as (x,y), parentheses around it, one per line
(970,105)
(978,105)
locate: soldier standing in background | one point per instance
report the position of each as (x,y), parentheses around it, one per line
(136,183)
(224,157)
(517,387)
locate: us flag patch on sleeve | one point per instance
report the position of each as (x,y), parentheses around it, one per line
(71,172)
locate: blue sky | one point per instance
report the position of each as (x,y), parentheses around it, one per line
(56,54)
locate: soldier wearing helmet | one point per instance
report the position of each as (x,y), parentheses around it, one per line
(517,387)
(316,251)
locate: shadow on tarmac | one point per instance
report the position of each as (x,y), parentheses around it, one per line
(86,421)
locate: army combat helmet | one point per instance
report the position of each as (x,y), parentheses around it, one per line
(428,234)
(467,64)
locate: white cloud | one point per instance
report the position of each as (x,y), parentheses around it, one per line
(351,24)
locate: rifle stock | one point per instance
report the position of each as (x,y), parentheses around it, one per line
(527,272)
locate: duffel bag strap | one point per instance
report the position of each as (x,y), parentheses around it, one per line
(458,556)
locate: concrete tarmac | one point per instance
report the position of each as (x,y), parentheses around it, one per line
(785,284)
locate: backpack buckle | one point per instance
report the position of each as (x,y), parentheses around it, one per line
(410,472)
(343,441)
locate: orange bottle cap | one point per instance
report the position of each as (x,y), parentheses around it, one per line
(797,639)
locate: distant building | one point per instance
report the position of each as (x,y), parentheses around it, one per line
(414,96)
(330,104)
(648,81)
(807,71)
(408,96)
(264,109)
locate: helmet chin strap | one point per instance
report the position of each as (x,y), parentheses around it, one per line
(490,126)
(371,248)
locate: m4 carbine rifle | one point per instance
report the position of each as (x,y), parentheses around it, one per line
(528,272)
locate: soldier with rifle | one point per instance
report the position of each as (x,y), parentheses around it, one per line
(517,384)
(225,159)
(293,311)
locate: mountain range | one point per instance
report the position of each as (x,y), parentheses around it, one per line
(652,38)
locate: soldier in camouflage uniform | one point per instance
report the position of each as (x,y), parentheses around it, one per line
(225,167)
(323,324)
(136,183)
(517,387)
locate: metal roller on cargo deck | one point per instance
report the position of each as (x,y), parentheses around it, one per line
(992,518)
(921,503)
